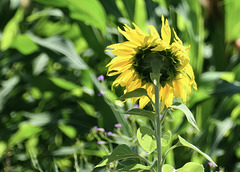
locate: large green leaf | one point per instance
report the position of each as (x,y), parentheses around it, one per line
(187,113)
(119,153)
(146,139)
(141,112)
(188,167)
(183,142)
(90,12)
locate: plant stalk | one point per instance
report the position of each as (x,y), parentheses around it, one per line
(158,128)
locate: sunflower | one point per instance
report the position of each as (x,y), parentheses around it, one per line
(133,64)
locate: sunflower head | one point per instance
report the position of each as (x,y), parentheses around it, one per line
(136,57)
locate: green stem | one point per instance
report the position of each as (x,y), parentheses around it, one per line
(158,128)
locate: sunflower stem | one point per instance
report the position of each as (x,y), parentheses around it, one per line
(158,128)
(156,65)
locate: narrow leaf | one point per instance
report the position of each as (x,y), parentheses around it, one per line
(187,113)
(146,139)
(141,112)
(136,93)
(187,144)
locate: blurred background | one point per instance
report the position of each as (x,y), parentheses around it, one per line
(52,53)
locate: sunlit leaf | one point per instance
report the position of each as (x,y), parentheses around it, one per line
(70,131)
(186,144)
(11,30)
(146,139)
(24,132)
(24,44)
(90,12)
(187,113)
(188,167)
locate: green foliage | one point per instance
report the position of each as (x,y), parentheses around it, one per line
(188,167)
(187,112)
(53,51)
(146,139)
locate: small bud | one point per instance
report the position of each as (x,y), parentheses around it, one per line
(101,78)
(112,134)
(118,125)
(101,142)
(211,164)
(101,130)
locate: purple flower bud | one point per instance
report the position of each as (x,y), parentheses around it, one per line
(95,127)
(101,130)
(118,125)
(112,134)
(101,142)
(136,106)
(101,78)
(101,93)
(211,164)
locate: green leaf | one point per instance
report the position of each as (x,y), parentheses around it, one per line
(11,30)
(62,83)
(183,142)
(135,167)
(24,44)
(140,14)
(70,131)
(135,93)
(166,138)
(168,168)
(25,131)
(90,12)
(141,112)
(188,167)
(120,152)
(62,46)
(146,139)
(187,113)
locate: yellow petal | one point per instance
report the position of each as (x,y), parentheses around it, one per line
(165,31)
(143,101)
(153,31)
